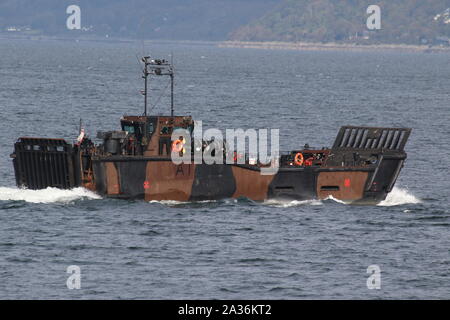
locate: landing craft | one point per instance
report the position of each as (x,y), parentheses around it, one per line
(361,167)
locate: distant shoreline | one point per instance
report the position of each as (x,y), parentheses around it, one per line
(269,45)
(311,46)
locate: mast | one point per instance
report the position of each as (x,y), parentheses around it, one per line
(158,67)
(171,84)
(145,76)
(171,93)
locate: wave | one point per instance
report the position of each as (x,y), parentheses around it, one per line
(292,203)
(49,195)
(280,203)
(193,203)
(169,203)
(398,197)
(335,200)
(271,202)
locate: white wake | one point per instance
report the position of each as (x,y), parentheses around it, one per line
(292,203)
(398,197)
(48,195)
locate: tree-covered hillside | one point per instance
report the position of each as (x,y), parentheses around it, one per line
(149,19)
(402,21)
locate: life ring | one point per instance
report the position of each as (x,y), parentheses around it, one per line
(177,145)
(298,160)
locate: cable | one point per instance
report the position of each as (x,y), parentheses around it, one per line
(159,98)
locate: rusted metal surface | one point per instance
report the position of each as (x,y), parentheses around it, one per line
(112,179)
(341,185)
(251,184)
(168,181)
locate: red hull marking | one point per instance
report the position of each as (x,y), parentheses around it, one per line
(347,183)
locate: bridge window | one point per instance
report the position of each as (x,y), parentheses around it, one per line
(129,129)
(150,128)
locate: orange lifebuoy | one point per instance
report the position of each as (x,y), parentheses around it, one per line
(298,160)
(177,145)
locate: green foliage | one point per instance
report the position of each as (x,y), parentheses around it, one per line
(148,19)
(402,21)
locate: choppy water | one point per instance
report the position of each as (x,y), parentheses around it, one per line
(233,248)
